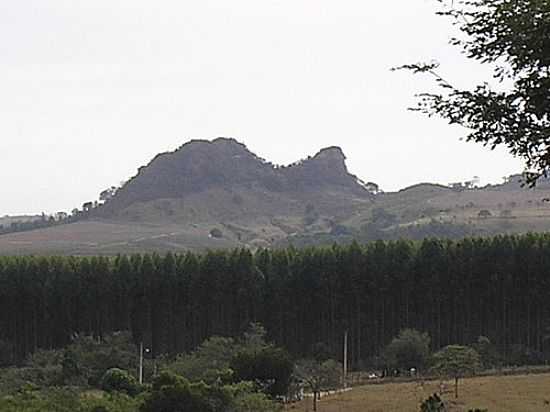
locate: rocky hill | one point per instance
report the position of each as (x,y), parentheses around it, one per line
(222,179)
(215,194)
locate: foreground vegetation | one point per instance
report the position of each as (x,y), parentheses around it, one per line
(222,375)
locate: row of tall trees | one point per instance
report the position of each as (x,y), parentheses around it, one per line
(455,291)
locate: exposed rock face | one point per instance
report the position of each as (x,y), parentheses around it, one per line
(224,163)
(327,169)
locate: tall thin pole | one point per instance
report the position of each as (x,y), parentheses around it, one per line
(141,363)
(345,358)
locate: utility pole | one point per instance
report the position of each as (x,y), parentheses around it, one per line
(141,363)
(345,359)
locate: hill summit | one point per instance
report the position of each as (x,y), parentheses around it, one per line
(224,164)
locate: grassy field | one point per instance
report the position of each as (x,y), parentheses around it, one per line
(259,218)
(105,238)
(524,393)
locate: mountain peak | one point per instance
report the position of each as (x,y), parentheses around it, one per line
(331,153)
(226,164)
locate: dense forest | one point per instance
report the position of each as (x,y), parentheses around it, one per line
(454,290)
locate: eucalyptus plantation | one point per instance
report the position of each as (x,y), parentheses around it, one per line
(455,291)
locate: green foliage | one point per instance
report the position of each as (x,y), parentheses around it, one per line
(271,368)
(209,363)
(118,380)
(15,379)
(488,353)
(38,401)
(81,363)
(90,358)
(173,303)
(66,400)
(433,404)
(319,376)
(255,402)
(111,402)
(512,36)
(410,349)
(456,361)
(172,393)
(70,368)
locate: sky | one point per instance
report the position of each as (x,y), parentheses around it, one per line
(92,90)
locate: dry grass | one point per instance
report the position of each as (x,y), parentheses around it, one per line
(526,393)
(105,238)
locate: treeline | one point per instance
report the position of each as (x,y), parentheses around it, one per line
(455,291)
(41,222)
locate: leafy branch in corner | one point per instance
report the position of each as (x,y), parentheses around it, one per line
(514,37)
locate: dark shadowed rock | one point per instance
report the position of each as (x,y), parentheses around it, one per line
(227,164)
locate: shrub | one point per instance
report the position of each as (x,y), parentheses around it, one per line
(410,349)
(433,404)
(256,402)
(216,233)
(271,368)
(172,393)
(118,380)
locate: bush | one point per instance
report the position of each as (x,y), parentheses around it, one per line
(271,368)
(208,363)
(216,233)
(256,402)
(118,380)
(173,393)
(433,404)
(88,359)
(114,402)
(410,349)
(13,379)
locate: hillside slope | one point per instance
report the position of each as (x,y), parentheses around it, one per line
(213,194)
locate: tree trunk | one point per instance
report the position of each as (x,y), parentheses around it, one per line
(314,401)
(456,387)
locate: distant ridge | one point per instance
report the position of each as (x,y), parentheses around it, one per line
(218,194)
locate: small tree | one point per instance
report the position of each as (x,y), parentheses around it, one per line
(270,368)
(172,393)
(118,380)
(456,361)
(208,363)
(319,376)
(410,349)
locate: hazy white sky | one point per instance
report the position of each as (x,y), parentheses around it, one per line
(91,90)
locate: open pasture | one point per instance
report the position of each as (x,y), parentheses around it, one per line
(523,393)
